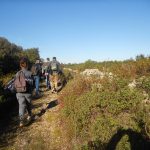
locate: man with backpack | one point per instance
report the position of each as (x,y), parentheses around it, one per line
(46,71)
(36,72)
(55,70)
(23,85)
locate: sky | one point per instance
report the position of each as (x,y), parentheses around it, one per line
(78,30)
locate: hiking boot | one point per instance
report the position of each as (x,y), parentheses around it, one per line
(21,124)
(38,95)
(29,118)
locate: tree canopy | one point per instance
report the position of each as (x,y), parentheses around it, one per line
(11,53)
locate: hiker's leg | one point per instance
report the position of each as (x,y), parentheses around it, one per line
(22,105)
(28,102)
(56,81)
(37,84)
(48,82)
(49,79)
(52,82)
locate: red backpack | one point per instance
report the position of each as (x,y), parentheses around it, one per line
(20,83)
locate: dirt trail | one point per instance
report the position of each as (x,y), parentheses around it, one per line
(44,132)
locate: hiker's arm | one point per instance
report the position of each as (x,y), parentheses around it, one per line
(59,67)
(30,81)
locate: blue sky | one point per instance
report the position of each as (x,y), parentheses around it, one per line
(77,30)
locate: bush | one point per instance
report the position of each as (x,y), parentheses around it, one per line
(143,84)
(95,115)
(4,94)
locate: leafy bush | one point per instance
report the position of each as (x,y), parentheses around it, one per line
(95,115)
(143,83)
(5,93)
(10,55)
(128,69)
(68,75)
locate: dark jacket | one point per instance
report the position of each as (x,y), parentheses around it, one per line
(36,69)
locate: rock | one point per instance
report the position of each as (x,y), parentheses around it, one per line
(132,85)
(96,72)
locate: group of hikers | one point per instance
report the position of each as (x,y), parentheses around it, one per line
(50,70)
(25,81)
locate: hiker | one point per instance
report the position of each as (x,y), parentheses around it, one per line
(46,71)
(36,72)
(23,85)
(54,77)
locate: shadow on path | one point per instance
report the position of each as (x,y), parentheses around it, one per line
(50,105)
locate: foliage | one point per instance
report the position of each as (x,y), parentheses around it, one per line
(95,114)
(10,55)
(68,75)
(143,84)
(129,69)
(4,94)
(32,54)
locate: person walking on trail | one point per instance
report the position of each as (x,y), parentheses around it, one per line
(36,72)
(46,71)
(54,77)
(22,83)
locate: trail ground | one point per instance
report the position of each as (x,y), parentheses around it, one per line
(44,132)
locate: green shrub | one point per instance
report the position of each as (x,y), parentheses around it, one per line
(95,115)
(68,75)
(144,84)
(4,94)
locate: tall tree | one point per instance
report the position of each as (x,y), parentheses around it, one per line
(10,54)
(32,54)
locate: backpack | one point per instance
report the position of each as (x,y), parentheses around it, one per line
(46,69)
(20,83)
(35,69)
(54,66)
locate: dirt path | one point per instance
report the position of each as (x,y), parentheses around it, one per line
(44,132)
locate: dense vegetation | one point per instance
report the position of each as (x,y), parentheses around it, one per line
(97,112)
(10,55)
(130,69)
